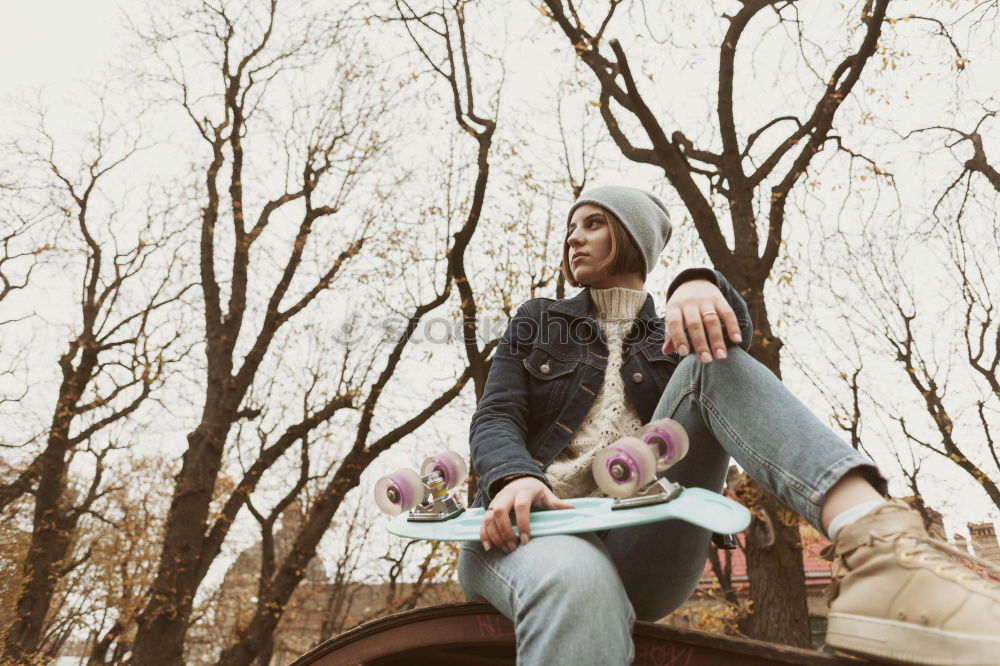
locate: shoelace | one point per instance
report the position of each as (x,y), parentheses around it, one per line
(930,550)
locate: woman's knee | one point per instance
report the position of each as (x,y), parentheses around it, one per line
(737,359)
(563,594)
(547,572)
(574,569)
(691,372)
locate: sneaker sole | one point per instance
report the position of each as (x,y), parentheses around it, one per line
(908,643)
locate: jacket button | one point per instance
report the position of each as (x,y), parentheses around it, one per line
(545,368)
(637,377)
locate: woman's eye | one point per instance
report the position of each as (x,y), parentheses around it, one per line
(589,224)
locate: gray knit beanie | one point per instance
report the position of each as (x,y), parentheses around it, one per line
(642,213)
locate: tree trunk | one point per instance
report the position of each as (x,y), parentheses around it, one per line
(779,611)
(164,621)
(54,524)
(98,654)
(254,638)
(50,543)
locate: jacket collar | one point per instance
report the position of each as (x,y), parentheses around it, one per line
(580,307)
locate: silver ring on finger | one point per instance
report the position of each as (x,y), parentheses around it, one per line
(710,312)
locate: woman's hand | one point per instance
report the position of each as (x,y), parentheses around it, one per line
(698,307)
(519,495)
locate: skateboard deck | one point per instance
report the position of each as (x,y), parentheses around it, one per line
(697,506)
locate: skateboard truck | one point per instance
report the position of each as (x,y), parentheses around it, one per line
(627,469)
(438,504)
(424,495)
(663,490)
(657,492)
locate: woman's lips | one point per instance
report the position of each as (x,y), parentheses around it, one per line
(578,257)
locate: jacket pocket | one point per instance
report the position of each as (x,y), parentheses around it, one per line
(662,365)
(549,379)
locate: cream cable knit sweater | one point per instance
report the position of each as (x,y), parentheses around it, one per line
(612,416)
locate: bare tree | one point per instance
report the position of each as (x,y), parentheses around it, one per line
(848,366)
(124,541)
(974,269)
(429,579)
(114,550)
(116,358)
(329,145)
(16,265)
(974,165)
(749,179)
(249,51)
(896,308)
(453,67)
(14,541)
(20,253)
(979,162)
(436,567)
(576,163)
(343,589)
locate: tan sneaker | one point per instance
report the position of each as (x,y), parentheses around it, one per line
(905,599)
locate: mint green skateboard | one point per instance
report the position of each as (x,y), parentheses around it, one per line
(590,514)
(625,471)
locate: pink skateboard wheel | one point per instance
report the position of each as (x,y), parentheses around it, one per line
(668,441)
(398,492)
(451,465)
(623,467)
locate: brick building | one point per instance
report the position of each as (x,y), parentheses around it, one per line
(984,541)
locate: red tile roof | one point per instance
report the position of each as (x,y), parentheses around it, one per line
(817,569)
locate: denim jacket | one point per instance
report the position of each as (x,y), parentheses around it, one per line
(547,370)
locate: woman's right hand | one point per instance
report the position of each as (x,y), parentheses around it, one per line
(518,495)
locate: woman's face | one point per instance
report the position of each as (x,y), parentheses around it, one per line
(589,239)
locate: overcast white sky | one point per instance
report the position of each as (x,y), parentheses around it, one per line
(57,42)
(63,45)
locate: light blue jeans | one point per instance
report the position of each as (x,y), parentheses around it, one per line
(573,599)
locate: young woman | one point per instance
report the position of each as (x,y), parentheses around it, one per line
(571,376)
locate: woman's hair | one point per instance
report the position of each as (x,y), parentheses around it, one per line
(625,256)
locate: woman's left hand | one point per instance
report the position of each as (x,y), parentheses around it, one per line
(698,308)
